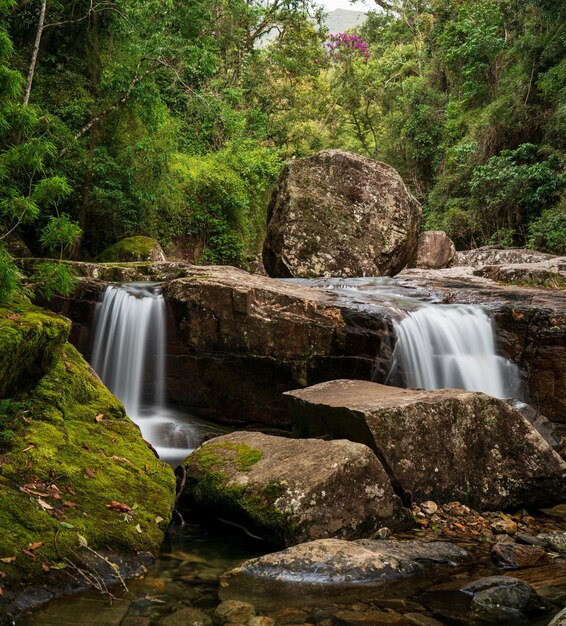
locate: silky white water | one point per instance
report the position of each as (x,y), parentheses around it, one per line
(129,356)
(453,346)
(437,346)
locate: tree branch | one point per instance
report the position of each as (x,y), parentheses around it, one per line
(35,52)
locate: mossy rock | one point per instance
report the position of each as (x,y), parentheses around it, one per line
(286,491)
(31,341)
(133,249)
(77,472)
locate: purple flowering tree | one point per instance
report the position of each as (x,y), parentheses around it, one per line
(345,46)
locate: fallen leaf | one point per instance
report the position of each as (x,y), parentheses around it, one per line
(67,365)
(66,525)
(158,519)
(69,504)
(138,528)
(119,507)
(45,567)
(13,316)
(99,417)
(3,574)
(8,559)
(44,505)
(60,565)
(33,492)
(121,459)
(89,472)
(34,546)
(30,447)
(82,541)
(28,552)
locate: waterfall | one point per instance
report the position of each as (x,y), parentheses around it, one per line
(437,346)
(129,356)
(453,346)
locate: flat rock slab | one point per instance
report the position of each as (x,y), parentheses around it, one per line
(339,569)
(439,445)
(288,491)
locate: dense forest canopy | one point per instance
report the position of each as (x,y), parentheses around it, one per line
(172,119)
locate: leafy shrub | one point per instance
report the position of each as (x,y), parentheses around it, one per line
(548,232)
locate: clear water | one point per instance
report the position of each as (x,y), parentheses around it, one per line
(129,356)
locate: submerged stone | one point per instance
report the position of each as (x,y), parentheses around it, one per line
(288,490)
(340,569)
(442,444)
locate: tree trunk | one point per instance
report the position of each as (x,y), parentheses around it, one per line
(35,52)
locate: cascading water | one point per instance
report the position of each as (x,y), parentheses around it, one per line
(453,346)
(129,356)
(437,346)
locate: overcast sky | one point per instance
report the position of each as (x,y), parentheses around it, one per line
(362,5)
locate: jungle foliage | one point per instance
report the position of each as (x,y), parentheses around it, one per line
(172,119)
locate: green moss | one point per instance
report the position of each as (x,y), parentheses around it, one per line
(241,456)
(31,341)
(78,438)
(254,507)
(131,249)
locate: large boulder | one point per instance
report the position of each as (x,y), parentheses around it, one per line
(30,344)
(242,339)
(340,570)
(338,213)
(438,445)
(434,250)
(80,490)
(139,248)
(288,491)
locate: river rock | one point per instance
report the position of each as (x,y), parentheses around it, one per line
(434,250)
(233,612)
(340,569)
(515,555)
(338,213)
(559,619)
(288,490)
(555,542)
(496,255)
(502,599)
(441,445)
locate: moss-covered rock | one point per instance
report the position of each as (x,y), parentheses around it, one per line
(77,481)
(133,249)
(31,341)
(285,490)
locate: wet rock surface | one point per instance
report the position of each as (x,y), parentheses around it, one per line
(337,569)
(289,491)
(338,213)
(242,339)
(440,445)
